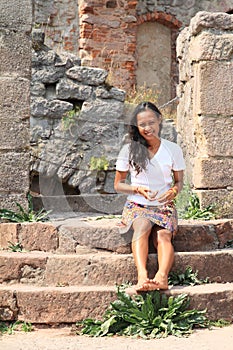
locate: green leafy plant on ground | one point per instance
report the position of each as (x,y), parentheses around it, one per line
(9,328)
(188,206)
(149,315)
(24,215)
(186,278)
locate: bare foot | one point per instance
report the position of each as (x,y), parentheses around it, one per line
(161,281)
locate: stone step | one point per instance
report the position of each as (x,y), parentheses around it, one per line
(92,267)
(65,235)
(54,305)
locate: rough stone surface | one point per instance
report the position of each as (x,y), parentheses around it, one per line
(38,236)
(22,267)
(89,76)
(14,97)
(17,61)
(215,95)
(221,199)
(20,18)
(204,121)
(8,305)
(211,173)
(8,178)
(46,304)
(8,233)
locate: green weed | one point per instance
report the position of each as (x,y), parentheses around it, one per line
(188,206)
(150,315)
(186,278)
(24,215)
(15,247)
(99,164)
(9,327)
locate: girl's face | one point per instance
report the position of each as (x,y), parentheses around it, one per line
(148,125)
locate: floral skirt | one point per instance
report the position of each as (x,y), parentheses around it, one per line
(164,215)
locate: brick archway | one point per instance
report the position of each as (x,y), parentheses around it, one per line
(168,21)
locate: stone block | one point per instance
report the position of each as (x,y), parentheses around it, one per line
(224,232)
(206,264)
(101,110)
(63,305)
(205,20)
(22,268)
(15,98)
(8,233)
(8,201)
(9,182)
(195,237)
(86,75)
(14,134)
(221,199)
(213,89)
(212,173)
(90,269)
(216,136)
(40,107)
(16,14)
(8,305)
(38,236)
(69,89)
(15,52)
(211,47)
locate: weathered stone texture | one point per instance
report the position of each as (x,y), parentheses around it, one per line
(22,268)
(8,233)
(16,14)
(221,199)
(15,61)
(13,134)
(38,236)
(14,98)
(211,46)
(213,84)
(204,114)
(68,304)
(10,180)
(211,173)
(217,136)
(8,308)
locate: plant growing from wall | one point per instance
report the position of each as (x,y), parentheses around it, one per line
(99,163)
(24,215)
(69,118)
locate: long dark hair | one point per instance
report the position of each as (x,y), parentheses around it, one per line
(138,150)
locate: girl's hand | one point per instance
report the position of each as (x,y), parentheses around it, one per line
(146,192)
(167,196)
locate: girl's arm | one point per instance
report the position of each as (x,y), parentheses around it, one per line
(121,186)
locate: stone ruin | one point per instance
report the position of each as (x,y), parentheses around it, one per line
(204,52)
(63,146)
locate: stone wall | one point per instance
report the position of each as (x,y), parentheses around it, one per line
(15,74)
(75,116)
(205,120)
(104,32)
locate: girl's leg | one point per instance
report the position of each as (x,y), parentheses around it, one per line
(140,246)
(165,252)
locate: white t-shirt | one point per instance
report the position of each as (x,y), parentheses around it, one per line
(158,173)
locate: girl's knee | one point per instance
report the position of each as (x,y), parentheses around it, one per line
(164,236)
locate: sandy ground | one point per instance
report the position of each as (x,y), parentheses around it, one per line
(61,339)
